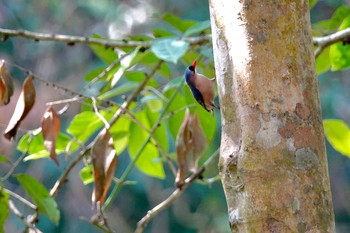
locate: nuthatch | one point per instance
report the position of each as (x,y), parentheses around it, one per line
(201,88)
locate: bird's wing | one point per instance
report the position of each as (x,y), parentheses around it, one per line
(198,96)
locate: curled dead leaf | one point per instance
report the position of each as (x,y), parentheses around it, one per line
(24,105)
(104,161)
(50,125)
(6,84)
(190,144)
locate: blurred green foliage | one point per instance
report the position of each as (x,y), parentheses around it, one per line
(202,208)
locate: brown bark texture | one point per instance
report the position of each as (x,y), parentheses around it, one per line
(273,162)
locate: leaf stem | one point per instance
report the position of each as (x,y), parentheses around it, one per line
(23,200)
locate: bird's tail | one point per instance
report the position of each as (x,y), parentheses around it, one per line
(215,106)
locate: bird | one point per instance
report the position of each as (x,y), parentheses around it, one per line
(201,88)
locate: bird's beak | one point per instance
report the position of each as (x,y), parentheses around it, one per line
(194,64)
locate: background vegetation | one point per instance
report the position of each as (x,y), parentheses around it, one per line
(202,207)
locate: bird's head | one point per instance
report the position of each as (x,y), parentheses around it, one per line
(190,71)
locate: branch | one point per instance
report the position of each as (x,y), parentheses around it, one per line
(178,191)
(71,40)
(27,222)
(21,199)
(321,42)
(112,121)
(325,41)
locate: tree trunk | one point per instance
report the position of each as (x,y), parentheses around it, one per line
(273,162)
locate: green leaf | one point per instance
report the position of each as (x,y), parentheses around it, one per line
(189,58)
(148,162)
(33,145)
(86,175)
(323,62)
(3,159)
(84,125)
(105,54)
(124,65)
(157,32)
(147,58)
(164,70)
(326,26)
(135,76)
(161,133)
(169,49)
(197,28)
(177,117)
(338,134)
(37,155)
(138,77)
(128,86)
(181,25)
(40,196)
(173,83)
(93,74)
(107,76)
(36,149)
(120,134)
(340,54)
(153,102)
(4,208)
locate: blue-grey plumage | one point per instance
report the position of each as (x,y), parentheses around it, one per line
(201,88)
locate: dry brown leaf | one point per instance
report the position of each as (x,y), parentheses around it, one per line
(24,105)
(6,85)
(199,142)
(50,125)
(183,148)
(190,143)
(104,161)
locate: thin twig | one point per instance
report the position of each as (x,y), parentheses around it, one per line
(177,192)
(63,178)
(127,103)
(71,40)
(325,41)
(104,219)
(105,122)
(143,146)
(16,212)
(15,164)
(112,121)
(21,199)
(65,101)
(108,69)
(136,121)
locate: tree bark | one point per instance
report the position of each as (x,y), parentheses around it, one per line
(273,162)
